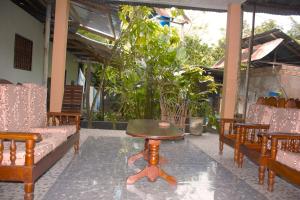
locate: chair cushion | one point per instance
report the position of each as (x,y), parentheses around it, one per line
(289,159)
(13,108)
(64,130)
(260,114)
(54,138)
(37,110)
(41,149)
(285,120)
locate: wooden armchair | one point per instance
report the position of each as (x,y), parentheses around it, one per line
(257,114)
(249,143)
(250,140)
(285,157)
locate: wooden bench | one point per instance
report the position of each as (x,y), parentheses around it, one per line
(228,128)
(254,141)
(29,146)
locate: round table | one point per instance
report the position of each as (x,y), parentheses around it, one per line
(153,131)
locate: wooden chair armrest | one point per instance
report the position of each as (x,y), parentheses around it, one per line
(58,114)
(29,138)
(252,125)
(231,120)
(20,136)
(228,124)
(282,135)
(289,142)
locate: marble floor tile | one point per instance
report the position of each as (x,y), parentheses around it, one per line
(100,171)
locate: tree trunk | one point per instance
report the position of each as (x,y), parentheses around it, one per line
(149,93)
(87,94)
(99,89)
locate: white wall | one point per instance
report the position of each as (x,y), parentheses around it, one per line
(14,20)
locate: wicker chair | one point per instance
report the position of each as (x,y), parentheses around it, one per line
(174,112)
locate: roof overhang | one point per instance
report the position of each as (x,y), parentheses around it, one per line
(206,5)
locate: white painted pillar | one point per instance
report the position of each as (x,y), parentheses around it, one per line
(232,60)
(46,45)
(59,54)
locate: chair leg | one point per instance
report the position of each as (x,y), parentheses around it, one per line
(221,146)
(261,174)
(240,160)
(271,180)
(236,156)
(76,146)
(29,191)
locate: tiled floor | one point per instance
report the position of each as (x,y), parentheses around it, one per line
(100,171)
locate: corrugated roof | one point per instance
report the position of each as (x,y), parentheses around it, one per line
(269,47)
(101,19)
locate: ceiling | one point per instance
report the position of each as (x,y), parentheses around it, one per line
(101,20)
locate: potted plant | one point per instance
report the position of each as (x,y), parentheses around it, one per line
(198,86)
(198,111)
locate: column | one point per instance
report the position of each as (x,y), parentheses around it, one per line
(59,54)
(232,60)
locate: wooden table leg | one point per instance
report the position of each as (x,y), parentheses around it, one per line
(145,154)
(152,171)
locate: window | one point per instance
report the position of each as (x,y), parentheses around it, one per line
(23,53)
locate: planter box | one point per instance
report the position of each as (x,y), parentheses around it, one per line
(105,125)
(118,125)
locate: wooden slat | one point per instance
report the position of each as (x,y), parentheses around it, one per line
(72,99)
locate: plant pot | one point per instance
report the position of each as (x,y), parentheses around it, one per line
(196,125)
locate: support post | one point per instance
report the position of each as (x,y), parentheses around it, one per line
(249,62)
(59,54)
(46,44)
(232,60)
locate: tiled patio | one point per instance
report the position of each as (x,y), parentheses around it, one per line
(100,171)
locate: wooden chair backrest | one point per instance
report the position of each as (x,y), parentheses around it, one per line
(4,81)
(72,99)
(271,101)
(261,101)
(291,103)
(279,102)
(297,103)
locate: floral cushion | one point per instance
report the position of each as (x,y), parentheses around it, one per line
(266,115)
(60,131)
(41,149)
(37,111)
(53,138)
(13,108)
(289,159)
(260,114)
(285,120)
